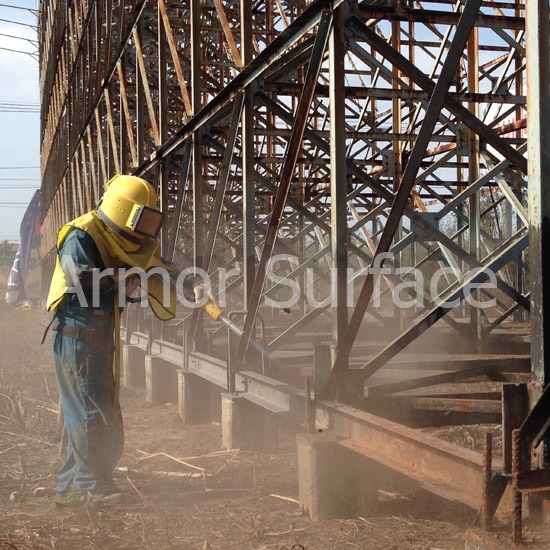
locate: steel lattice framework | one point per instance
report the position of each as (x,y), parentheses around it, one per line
(329,132)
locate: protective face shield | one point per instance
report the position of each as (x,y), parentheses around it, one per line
(129,208)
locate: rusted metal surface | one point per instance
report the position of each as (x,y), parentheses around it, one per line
(517,511)
(453,405)
(486,515)
(515,407)
(329,131)
(446,469)
(442,467)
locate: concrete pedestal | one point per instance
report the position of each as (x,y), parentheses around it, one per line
(334,482)
(161,381)
(133,366)
(198,399)
(248,426)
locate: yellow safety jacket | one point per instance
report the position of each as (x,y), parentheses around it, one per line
(116,252)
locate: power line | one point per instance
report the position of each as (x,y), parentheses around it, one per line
(19,107)
(18,167)
(19,38)
(19,103)
(34,12)
(19,23)
(31,54)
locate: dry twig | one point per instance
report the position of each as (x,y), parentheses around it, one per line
(288,499)
(29,438)
(136,490)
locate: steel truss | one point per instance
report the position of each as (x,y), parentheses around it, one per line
(330,132)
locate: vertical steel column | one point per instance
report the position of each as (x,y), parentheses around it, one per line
(473,172)
(433,111)
(486,515)
(517,504)
(198,214)
(291,157)
(140,104)
(338,175)
(538,127)
(223,179)
(163,126)
(520,314)
(178,209)
(249,233)
(397,149)
(197,172)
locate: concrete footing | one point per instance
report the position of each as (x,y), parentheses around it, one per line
(161,381)
(198,399)
(248,426)
(334,482)
(133,366)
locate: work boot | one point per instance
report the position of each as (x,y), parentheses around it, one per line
(70,497)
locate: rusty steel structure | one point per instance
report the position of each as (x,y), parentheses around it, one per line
(294,142)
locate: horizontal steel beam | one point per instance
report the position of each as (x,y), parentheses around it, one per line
(402,13)
(476,406)
(441,467)
(453,472)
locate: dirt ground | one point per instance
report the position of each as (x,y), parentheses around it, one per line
(182,491)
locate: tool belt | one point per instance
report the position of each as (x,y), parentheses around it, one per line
(82,334)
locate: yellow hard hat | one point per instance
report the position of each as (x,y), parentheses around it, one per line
(129,208)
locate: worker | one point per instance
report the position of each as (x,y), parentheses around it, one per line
(118,235)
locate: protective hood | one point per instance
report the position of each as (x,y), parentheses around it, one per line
(115,252)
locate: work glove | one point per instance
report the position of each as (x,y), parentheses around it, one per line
(198,291)
(194,288)
(132,284)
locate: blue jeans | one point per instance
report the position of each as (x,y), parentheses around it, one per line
(84,373)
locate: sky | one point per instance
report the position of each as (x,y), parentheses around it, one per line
(19,131)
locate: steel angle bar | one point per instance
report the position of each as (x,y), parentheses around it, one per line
(508,191)
(402,13)
(292,330)
(499,320)
(409,176)
(298,270)
(440,466)
(172,45)
(383,71)
(492,172)
(538,128)
(504,365)
(536,425)
(322,144)
(354,194)
(471,260)
(287,171)
(447,405)
(271,55)
(440,162)
(263,181)
(509,252)
(222,181)
(219,199)
(178,209)
(360,30)
(504,72)
(295,58)
(318,222)
(125,37)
